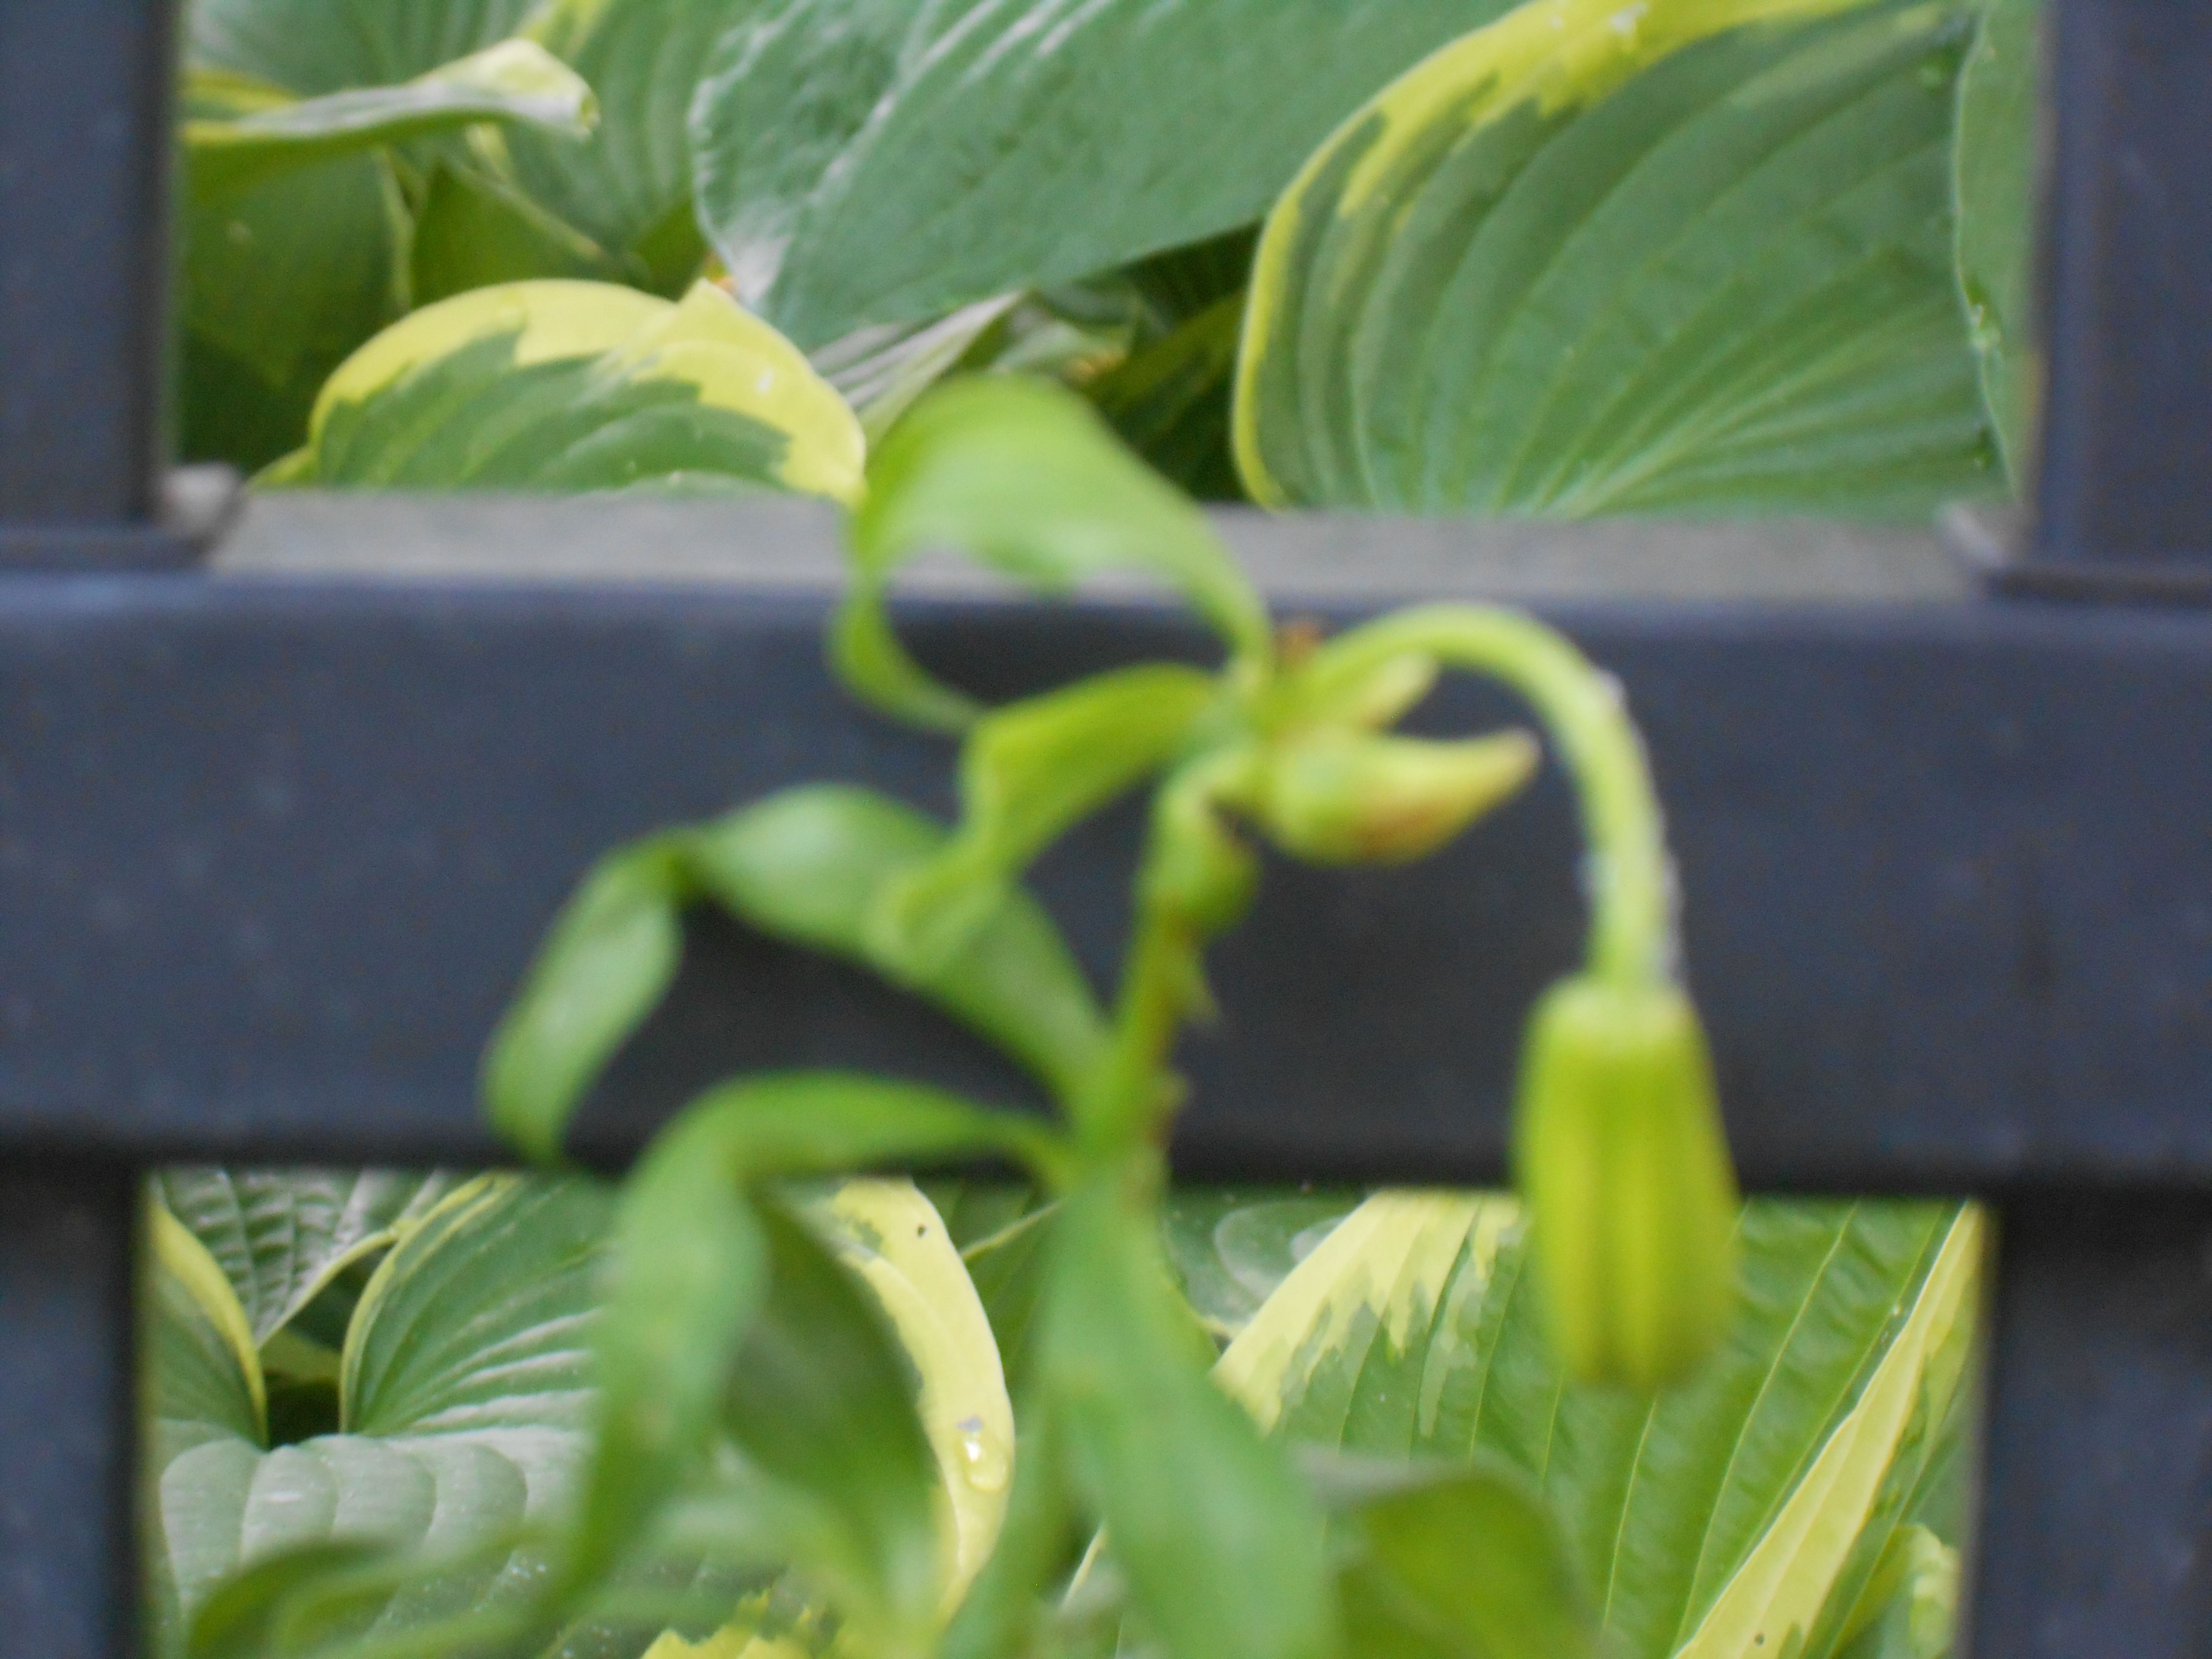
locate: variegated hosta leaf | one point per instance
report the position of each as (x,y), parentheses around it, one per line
(891,1235)
(1232,1247)
(1995,184)
(280,1235)
(1740,1517)
(875,162)
(568,385)
(463,1392)
(1676,255)
(628,186)
(266,131)
(314,46)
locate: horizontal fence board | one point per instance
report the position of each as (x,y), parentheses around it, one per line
(274,851)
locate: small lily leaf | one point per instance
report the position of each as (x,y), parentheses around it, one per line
(1995,178)
(822,1404)
(608,961)
(513,80)
(1594,259)
(1465,1561)
(1221,1543)
(814,866)
(570,385)
(1026,477)
(1029,771)
(690,1264)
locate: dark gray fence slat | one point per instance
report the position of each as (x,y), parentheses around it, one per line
(69,1561)
(84,165)
(272,856)
(2128,418)
(2097,1495)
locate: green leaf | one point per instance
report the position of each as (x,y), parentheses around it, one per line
(882,371)
(629,187)
(314,46)
(890,1234)
(815,866)
(1230,1247)
(1221,1544)
(281,1235)
(473,230)
(205,1374)
(690,1267)
(1995,181)
(1737,1516)
(275,283)
(465,1392)
(1031,770)
(1688,257)
(1025,477)
(1466,1561)
(257,137)
(822,1405)
(1170,401)
(566,385)
(884,162)
(607,962)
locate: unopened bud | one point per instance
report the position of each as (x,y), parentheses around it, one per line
(1630,1196)
(1200,871)
(1349,797)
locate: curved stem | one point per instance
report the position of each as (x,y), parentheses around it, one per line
(1627,874)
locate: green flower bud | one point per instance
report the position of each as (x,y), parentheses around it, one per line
(1199,871)
(1338,796)
(1631,1199)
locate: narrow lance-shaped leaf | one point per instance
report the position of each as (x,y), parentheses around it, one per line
(610,957)
(1221,1544)
(1025,477)
(692,1266)
(1028,772)
(514,80)
(1691,256)
(815,866)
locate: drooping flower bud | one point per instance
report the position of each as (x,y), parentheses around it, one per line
(1339,796)
(1199,870)
(1631,1198)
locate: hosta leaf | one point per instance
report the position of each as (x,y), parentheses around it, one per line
(1741,1514)
(580,386)
(1995,158)
(1170,401)
(261,136)
(1687,256)
(881,371)
(276,282)
(1022,476)
(891,1235)
(1231,1246)
(206,1376)
(314,46)
(1221,1545)
(888,161)
(473,229)
(465,1391)
(629,187)
(280,1235)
